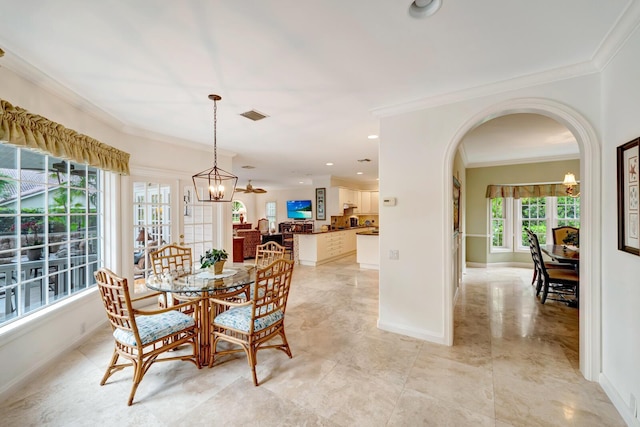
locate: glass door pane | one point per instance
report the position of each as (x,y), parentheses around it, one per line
(151,224)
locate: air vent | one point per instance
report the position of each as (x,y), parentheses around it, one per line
(248,167)
(364,160)
(254,115)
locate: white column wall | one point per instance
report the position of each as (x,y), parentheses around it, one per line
(620,270)
(416,156)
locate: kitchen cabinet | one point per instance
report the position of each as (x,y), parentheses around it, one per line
(369,202)
(319,248)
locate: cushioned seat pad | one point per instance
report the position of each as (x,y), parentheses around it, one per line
(240,318)
(154,327)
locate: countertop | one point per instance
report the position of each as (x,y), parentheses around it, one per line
(340,229)
(368,233)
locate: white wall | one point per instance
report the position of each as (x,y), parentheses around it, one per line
(620,270)
(27,347)
(413,289)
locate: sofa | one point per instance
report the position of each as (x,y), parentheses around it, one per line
(252,238)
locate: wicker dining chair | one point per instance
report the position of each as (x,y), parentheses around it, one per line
(252,324)
(267,253)
(172,259)
(141,336)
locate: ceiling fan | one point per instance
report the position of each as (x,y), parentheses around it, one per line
(250,189)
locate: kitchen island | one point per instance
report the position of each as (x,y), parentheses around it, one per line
(368,249)
(321,247)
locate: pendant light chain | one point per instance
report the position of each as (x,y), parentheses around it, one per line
(215,127)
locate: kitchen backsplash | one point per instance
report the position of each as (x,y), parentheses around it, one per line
(345,220)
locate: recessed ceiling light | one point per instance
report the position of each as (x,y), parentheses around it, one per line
(373,137)
(300,182)
(424,8)
(329,164)
(360,173)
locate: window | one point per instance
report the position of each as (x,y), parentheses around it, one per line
(238,211)
(498,219)
(50,216)
(198,224)
(539,214)
(270,214)
(151,222)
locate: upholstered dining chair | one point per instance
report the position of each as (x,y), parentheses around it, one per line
(141,336)
(172,259)
(559,281)
(251,325)
(561,233)
(263,225)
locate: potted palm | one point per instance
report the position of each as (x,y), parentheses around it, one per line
(214,259)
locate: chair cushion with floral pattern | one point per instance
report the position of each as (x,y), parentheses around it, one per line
(154,327)
(240,318)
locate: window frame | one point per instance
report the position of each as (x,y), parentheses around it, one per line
(514,220)
(68,214)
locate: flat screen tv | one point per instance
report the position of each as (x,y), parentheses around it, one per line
(299,209)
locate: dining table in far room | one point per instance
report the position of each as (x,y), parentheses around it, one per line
(563,253)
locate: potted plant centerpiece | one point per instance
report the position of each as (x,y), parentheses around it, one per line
(214,259)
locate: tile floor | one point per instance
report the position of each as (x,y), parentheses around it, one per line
(514,363)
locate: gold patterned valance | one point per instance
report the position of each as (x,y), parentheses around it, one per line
(21,128)
(519,191)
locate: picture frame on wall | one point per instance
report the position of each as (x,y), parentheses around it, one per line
(628,197)
(321,204)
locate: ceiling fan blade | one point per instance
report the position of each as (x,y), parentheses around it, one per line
(259,190)
(241,190)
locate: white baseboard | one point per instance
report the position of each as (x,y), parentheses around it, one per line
(499,265)
(618,402)
(415,333)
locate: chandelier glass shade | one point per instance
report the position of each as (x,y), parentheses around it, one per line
(215,184)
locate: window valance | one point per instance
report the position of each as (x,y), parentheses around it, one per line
(21,128)
(518,191)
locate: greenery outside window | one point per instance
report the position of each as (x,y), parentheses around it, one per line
(237,209)
(50,217)
(539,214)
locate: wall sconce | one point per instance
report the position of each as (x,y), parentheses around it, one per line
(570,182)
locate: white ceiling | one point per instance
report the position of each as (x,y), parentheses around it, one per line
(318,69)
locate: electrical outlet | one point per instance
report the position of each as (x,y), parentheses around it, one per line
(394,254)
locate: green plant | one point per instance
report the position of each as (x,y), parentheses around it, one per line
(212,256)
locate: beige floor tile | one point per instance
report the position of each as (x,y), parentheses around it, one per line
(514,363)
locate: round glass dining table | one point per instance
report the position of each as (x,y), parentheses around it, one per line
(201,285)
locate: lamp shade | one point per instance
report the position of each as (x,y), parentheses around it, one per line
(570,179)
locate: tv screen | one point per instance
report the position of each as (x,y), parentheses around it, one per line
(299,209)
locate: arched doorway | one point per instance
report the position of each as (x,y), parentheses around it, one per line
(590,313)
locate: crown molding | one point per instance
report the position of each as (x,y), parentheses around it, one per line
(511,162)
(615,39)
(25,70)
(550,76)
(624,28)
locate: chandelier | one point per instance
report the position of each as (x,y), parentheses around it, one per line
(218,184)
